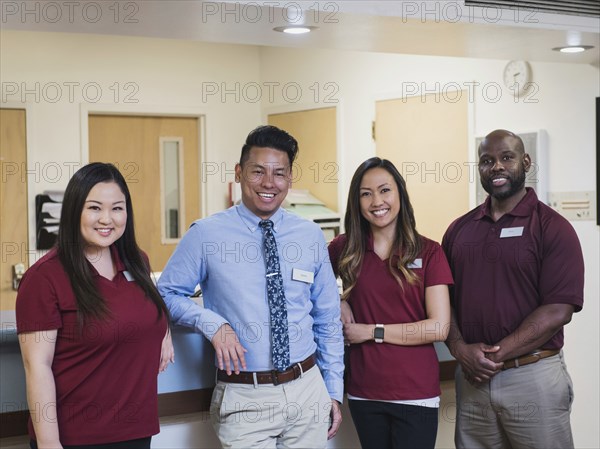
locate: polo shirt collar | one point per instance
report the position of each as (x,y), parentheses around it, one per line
(370,246)
(114,253)
(522,209)
(251,221)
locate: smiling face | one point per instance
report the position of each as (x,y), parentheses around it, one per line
(502,167)
(265,179)
(103,217)
(379,198)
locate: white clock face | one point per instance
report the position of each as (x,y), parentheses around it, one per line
(516,76)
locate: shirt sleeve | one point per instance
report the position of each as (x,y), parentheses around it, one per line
(447,242)
(327,324)
(561,277)
(37,306)
(438,270)
(185,270)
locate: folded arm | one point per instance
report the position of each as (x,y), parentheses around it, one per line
(434,328)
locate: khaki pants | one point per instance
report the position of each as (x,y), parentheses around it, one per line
(525,407)
(290,415)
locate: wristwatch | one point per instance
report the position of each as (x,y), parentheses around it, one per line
(378,333)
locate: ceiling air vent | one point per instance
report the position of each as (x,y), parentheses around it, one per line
(588,8)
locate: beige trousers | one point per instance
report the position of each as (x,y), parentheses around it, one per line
(290,415)
(525,407)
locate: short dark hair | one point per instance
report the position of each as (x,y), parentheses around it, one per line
(268,136)
(71,244)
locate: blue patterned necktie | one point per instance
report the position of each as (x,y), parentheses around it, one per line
(280,340)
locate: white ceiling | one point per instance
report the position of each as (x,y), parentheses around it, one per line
(444,28)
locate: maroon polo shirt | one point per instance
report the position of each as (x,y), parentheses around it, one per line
(504,270)
(383,371)
(106,373)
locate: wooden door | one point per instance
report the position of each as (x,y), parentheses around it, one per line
(316,167)
(132,143)
(427,140)
(13,201)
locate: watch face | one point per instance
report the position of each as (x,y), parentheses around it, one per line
(378,333)
(516,76)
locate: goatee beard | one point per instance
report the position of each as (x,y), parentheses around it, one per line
(516,184)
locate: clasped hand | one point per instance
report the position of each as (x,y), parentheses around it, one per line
(354,332)
(476,366)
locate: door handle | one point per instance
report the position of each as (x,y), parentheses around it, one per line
(18,270)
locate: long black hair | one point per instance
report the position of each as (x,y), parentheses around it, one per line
(71,244)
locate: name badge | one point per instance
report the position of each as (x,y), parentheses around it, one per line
(128,276)
(418,263)
(511,232)
(303,276)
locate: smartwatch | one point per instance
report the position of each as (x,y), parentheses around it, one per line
(378,333)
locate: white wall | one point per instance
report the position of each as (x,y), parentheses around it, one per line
(564,107)
(169,75)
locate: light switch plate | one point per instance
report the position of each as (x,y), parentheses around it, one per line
(574,205)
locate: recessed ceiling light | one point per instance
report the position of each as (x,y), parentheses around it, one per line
(295,29)
(573,48)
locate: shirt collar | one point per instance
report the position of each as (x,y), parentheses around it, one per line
(371,248)
(522,209)
(119,265)
(251,221)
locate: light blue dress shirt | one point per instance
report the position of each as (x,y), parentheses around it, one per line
(223,254)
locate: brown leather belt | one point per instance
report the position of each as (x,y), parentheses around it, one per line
(527,359)
(269,377)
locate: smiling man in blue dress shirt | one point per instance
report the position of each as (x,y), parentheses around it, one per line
(254,404)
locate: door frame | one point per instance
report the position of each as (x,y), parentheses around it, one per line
(471,134)
(147,111)
(339,138)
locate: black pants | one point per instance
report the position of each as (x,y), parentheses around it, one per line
(140,443)
(383,425)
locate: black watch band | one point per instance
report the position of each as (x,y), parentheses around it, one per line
(378,333)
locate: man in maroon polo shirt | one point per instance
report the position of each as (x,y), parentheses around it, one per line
(518,274)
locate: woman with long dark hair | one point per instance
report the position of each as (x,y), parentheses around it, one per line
(92,326)
(395,304)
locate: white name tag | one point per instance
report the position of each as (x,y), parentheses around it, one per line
(511,232)
(303,276)
(128,276)
(418,263)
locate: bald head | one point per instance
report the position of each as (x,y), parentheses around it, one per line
(499,135)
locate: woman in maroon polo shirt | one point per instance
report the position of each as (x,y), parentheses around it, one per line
(93,327)
(395,304)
